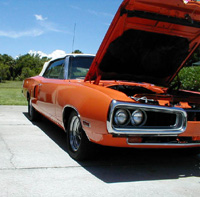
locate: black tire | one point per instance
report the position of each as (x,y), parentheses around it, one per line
(32,113)
(78,145)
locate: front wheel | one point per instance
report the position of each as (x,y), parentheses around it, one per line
(78,145)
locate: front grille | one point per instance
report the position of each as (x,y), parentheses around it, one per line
(160,119)
(193,115)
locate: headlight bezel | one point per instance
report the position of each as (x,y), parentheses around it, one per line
(178,127)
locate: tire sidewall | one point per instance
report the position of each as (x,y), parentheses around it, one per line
(82,151)
(30,110)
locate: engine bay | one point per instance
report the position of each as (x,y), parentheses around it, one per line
(189,101)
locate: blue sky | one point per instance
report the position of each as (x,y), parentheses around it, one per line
(48,25)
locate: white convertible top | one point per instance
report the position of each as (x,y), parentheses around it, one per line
(61,57)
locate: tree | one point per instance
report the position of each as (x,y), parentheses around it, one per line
(77,51)
(22,67)
(27,72)
(7,64)
(28,65)
(4,71)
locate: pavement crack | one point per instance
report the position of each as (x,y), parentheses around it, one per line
(9,150)
(11,124)
(40,168)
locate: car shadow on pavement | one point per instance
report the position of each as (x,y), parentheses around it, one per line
(128,165)
(113,165)
(52,131)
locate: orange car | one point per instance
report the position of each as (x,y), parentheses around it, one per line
(122,97)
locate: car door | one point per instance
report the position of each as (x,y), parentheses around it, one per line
(63,85)
(52,77)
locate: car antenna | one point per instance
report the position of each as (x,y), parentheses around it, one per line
(73,37)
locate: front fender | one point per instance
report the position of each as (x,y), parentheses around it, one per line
(91,104)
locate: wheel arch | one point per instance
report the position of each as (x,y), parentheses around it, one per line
(29,93)
(66,114)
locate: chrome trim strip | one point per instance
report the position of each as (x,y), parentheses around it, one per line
(164,144)
(71,107)
(178,128)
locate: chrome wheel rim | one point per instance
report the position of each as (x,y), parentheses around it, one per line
(75,133)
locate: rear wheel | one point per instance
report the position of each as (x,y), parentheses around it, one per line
(78,145)
(32,113)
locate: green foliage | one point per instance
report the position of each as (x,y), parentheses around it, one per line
(77,51)
(28,65)
(190,78)
(20,68)
(6,66)
(4,71)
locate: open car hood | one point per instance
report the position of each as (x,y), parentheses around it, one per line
(148,41)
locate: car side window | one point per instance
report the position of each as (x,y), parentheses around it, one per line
(55,70)
(79,66)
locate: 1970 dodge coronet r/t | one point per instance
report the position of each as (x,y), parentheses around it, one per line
(122,97)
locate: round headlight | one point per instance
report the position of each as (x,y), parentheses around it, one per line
(138,117)
(121,117)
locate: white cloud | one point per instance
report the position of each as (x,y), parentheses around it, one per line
(40,53)
(104,14)
(44,26)
(55,54)
(47,26)
(14,34)
(40,17)
(75,7)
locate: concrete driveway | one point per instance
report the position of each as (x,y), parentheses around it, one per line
(34,162)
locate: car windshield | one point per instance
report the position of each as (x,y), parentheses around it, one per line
(79,66)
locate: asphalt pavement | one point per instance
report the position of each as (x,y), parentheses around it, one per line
(34,162)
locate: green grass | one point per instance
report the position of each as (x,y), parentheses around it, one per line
(11,93)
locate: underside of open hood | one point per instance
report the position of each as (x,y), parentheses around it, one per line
(153,58)
(148,41)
